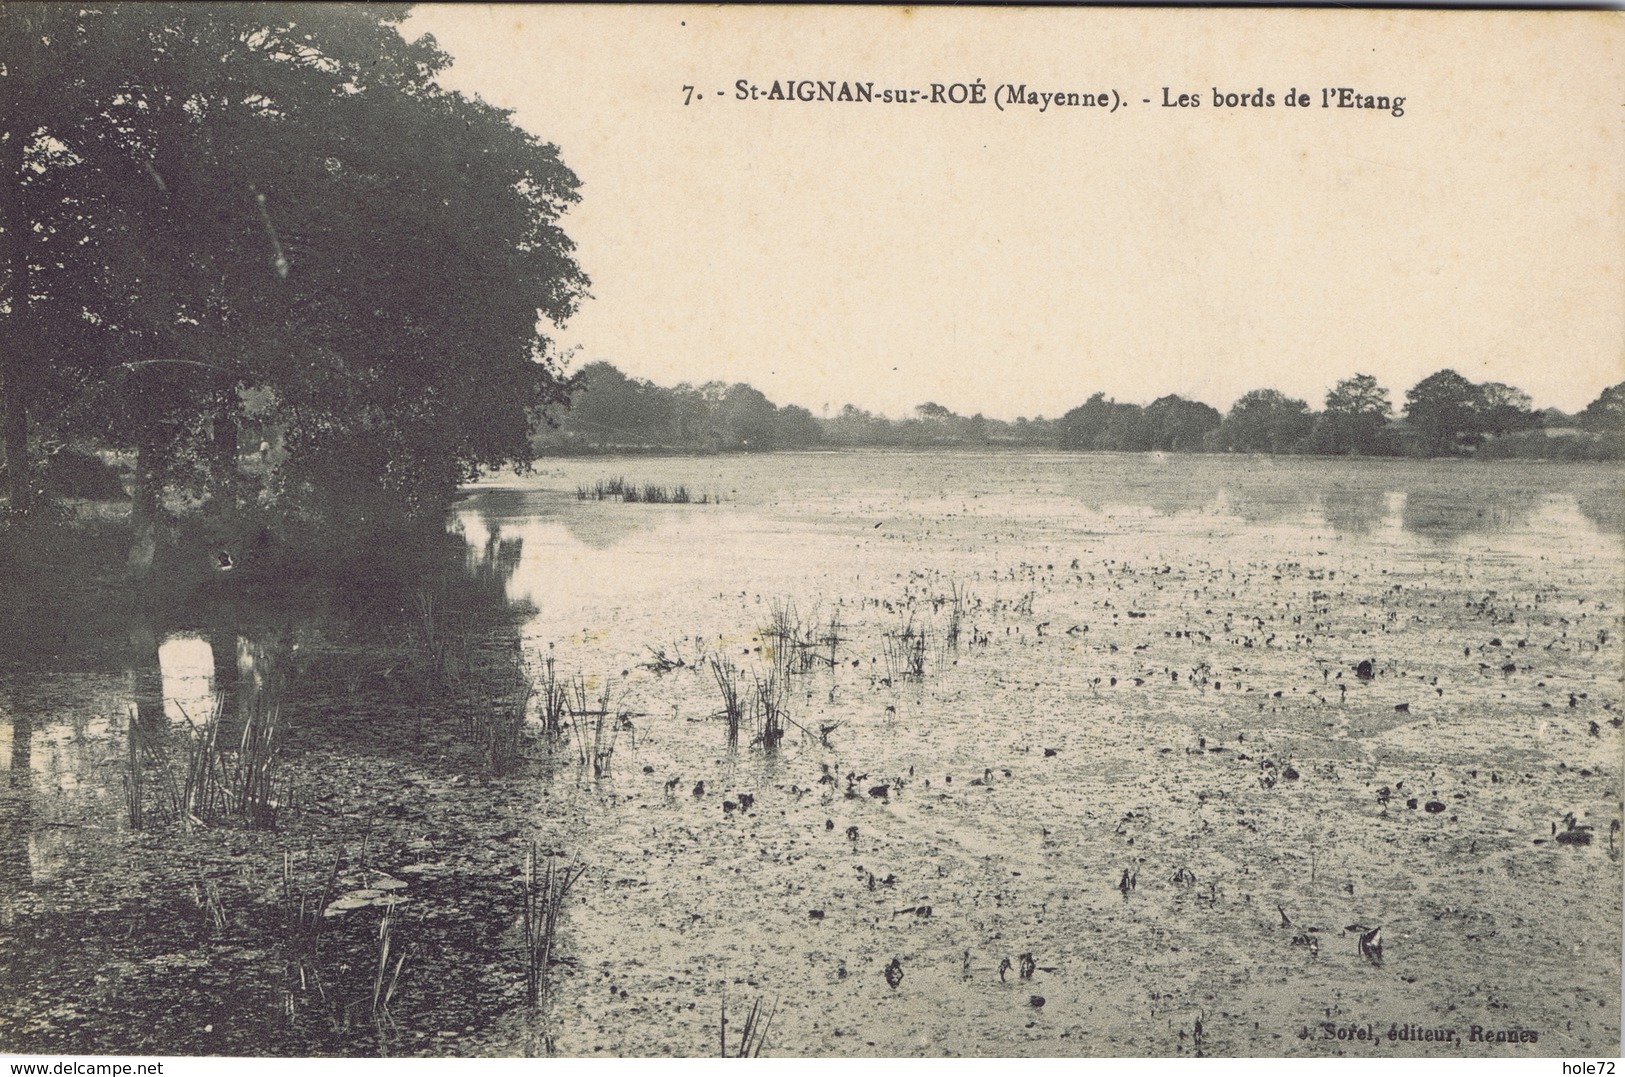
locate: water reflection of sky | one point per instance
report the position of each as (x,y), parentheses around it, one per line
(800,524)
(57,728)
(186,669)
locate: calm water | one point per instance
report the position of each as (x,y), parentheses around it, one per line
(791,518)
(1131,610)
(1130,615)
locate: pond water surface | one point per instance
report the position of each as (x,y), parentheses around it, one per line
(1081,755)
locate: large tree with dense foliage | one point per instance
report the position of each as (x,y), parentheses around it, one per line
(1179,425)
(616,409)
(204,200)
(1101,424)
(1266,420)
(1606,414)
(1449,414)
(1442,412)
(1356,416)
(1503,409)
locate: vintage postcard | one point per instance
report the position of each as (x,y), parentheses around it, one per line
(879,532)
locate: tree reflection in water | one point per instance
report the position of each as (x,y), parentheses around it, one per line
(1353,511)
(1446,513)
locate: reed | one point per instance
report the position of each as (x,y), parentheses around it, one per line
(498,725)
(768,707)
(956,615)
(555,702)
(443,640)
(221,784)
(728,682)
(386,977)
(605,724)
(253,777)
(905,651)
(798,643)
(646,493)
(752,1034)
(832,637)
(302,924)
(544,896)
(602,490)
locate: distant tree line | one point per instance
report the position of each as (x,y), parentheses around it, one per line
(1445,415)
(609,411)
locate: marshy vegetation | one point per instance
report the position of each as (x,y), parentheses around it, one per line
(647,493)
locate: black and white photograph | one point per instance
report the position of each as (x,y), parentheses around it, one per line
(673,532)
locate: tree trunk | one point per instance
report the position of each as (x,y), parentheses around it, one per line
(227,672)
(143,516)
(17,823)
(18,486)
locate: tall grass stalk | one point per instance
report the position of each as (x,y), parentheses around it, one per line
(727,678)
(798,643)
(906,652)
(497,725)
(222,784)
(956,615)
(135,781)
(772,693)
(545,891)
(386,978)
(555,701)
(752,1034)
(302,923)
(604,726)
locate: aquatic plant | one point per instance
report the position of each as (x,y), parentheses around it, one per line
(782,631)
(386,979)
(444,642)
(957,604)
(543,898)
(798,643)
(905,651)
(728,680)
(302,924)
(647,493)
(752,1034)
(496,726)
(555,701)
(768,709)
(220,784)
(604,730)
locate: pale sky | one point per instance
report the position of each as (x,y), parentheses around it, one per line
(1014,262)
